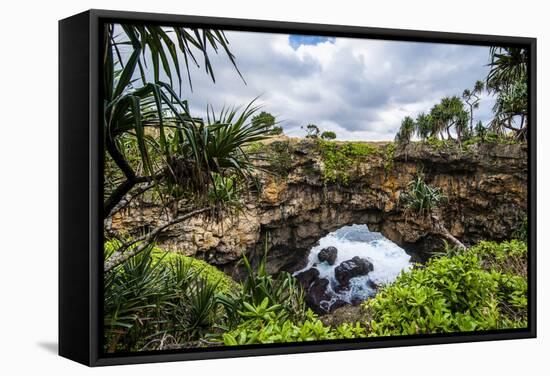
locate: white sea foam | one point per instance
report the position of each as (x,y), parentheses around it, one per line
(387,258)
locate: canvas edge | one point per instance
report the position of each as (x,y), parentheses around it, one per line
(94,257)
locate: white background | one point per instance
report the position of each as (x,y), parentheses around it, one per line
(28,186)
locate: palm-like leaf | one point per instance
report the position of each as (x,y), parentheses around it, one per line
(508,65)
(153,114)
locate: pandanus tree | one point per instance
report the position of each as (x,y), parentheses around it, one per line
(472,98)
(449,115)
(151,139)
(406,131)
(440,116)
(312,131)
(445,117)
(507,79)
(424,126)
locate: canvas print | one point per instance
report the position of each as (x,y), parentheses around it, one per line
(264,188)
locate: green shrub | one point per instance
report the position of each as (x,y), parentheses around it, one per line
(467,292)
(197,267)
(280,158)
(389,155)
(255,147)
(340,158)
(328,135)
(508,257)
(282,294)
(276,131)
(156,293)
(421,197)
(270,328)
(436,143)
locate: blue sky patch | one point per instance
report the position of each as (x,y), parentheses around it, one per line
(312,40)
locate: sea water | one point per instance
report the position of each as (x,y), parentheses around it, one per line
(387,258)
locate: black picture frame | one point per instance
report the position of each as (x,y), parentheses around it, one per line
(80,186)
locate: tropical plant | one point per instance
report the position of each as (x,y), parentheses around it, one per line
(510,105)
(508,66)
(462,292)
(424,126)
(312,131)
(454,115)
(438,120)
(328,135)
(133,295)
(151,139)
(472,99)
(508,79)
(421,197)
(156,294)
(406,131)
(282,294)
(270,328)
(196,310)
(480,131)
(132,102)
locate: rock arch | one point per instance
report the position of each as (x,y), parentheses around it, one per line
(486,187)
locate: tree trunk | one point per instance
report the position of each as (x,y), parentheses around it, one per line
(441,230)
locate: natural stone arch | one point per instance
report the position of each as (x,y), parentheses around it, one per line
(485,186)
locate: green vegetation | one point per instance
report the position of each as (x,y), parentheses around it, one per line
(328,135)
(340,158)
(403,136)
(268,327)
(312,131)
(158,300)
(152,141)
(268,122)
(154,299)
(280,158)
(421,197)
(389,155)
(507,79)
(158,153)
(472,99)
(476,290)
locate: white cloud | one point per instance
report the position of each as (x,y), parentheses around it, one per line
(361,89)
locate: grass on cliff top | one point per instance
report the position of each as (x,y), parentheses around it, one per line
(340,158)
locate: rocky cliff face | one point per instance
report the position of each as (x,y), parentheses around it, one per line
(486,187)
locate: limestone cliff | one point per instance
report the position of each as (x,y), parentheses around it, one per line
(315,192)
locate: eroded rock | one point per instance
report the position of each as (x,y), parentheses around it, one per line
(485,186)
(349,269)
(328,254)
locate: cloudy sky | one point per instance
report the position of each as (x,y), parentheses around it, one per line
(359,88)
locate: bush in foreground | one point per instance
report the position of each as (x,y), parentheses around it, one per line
(483,288)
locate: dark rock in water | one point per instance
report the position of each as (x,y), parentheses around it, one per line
(355,267)
(306,278)
(328,254)
(316,294)
(319,299)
